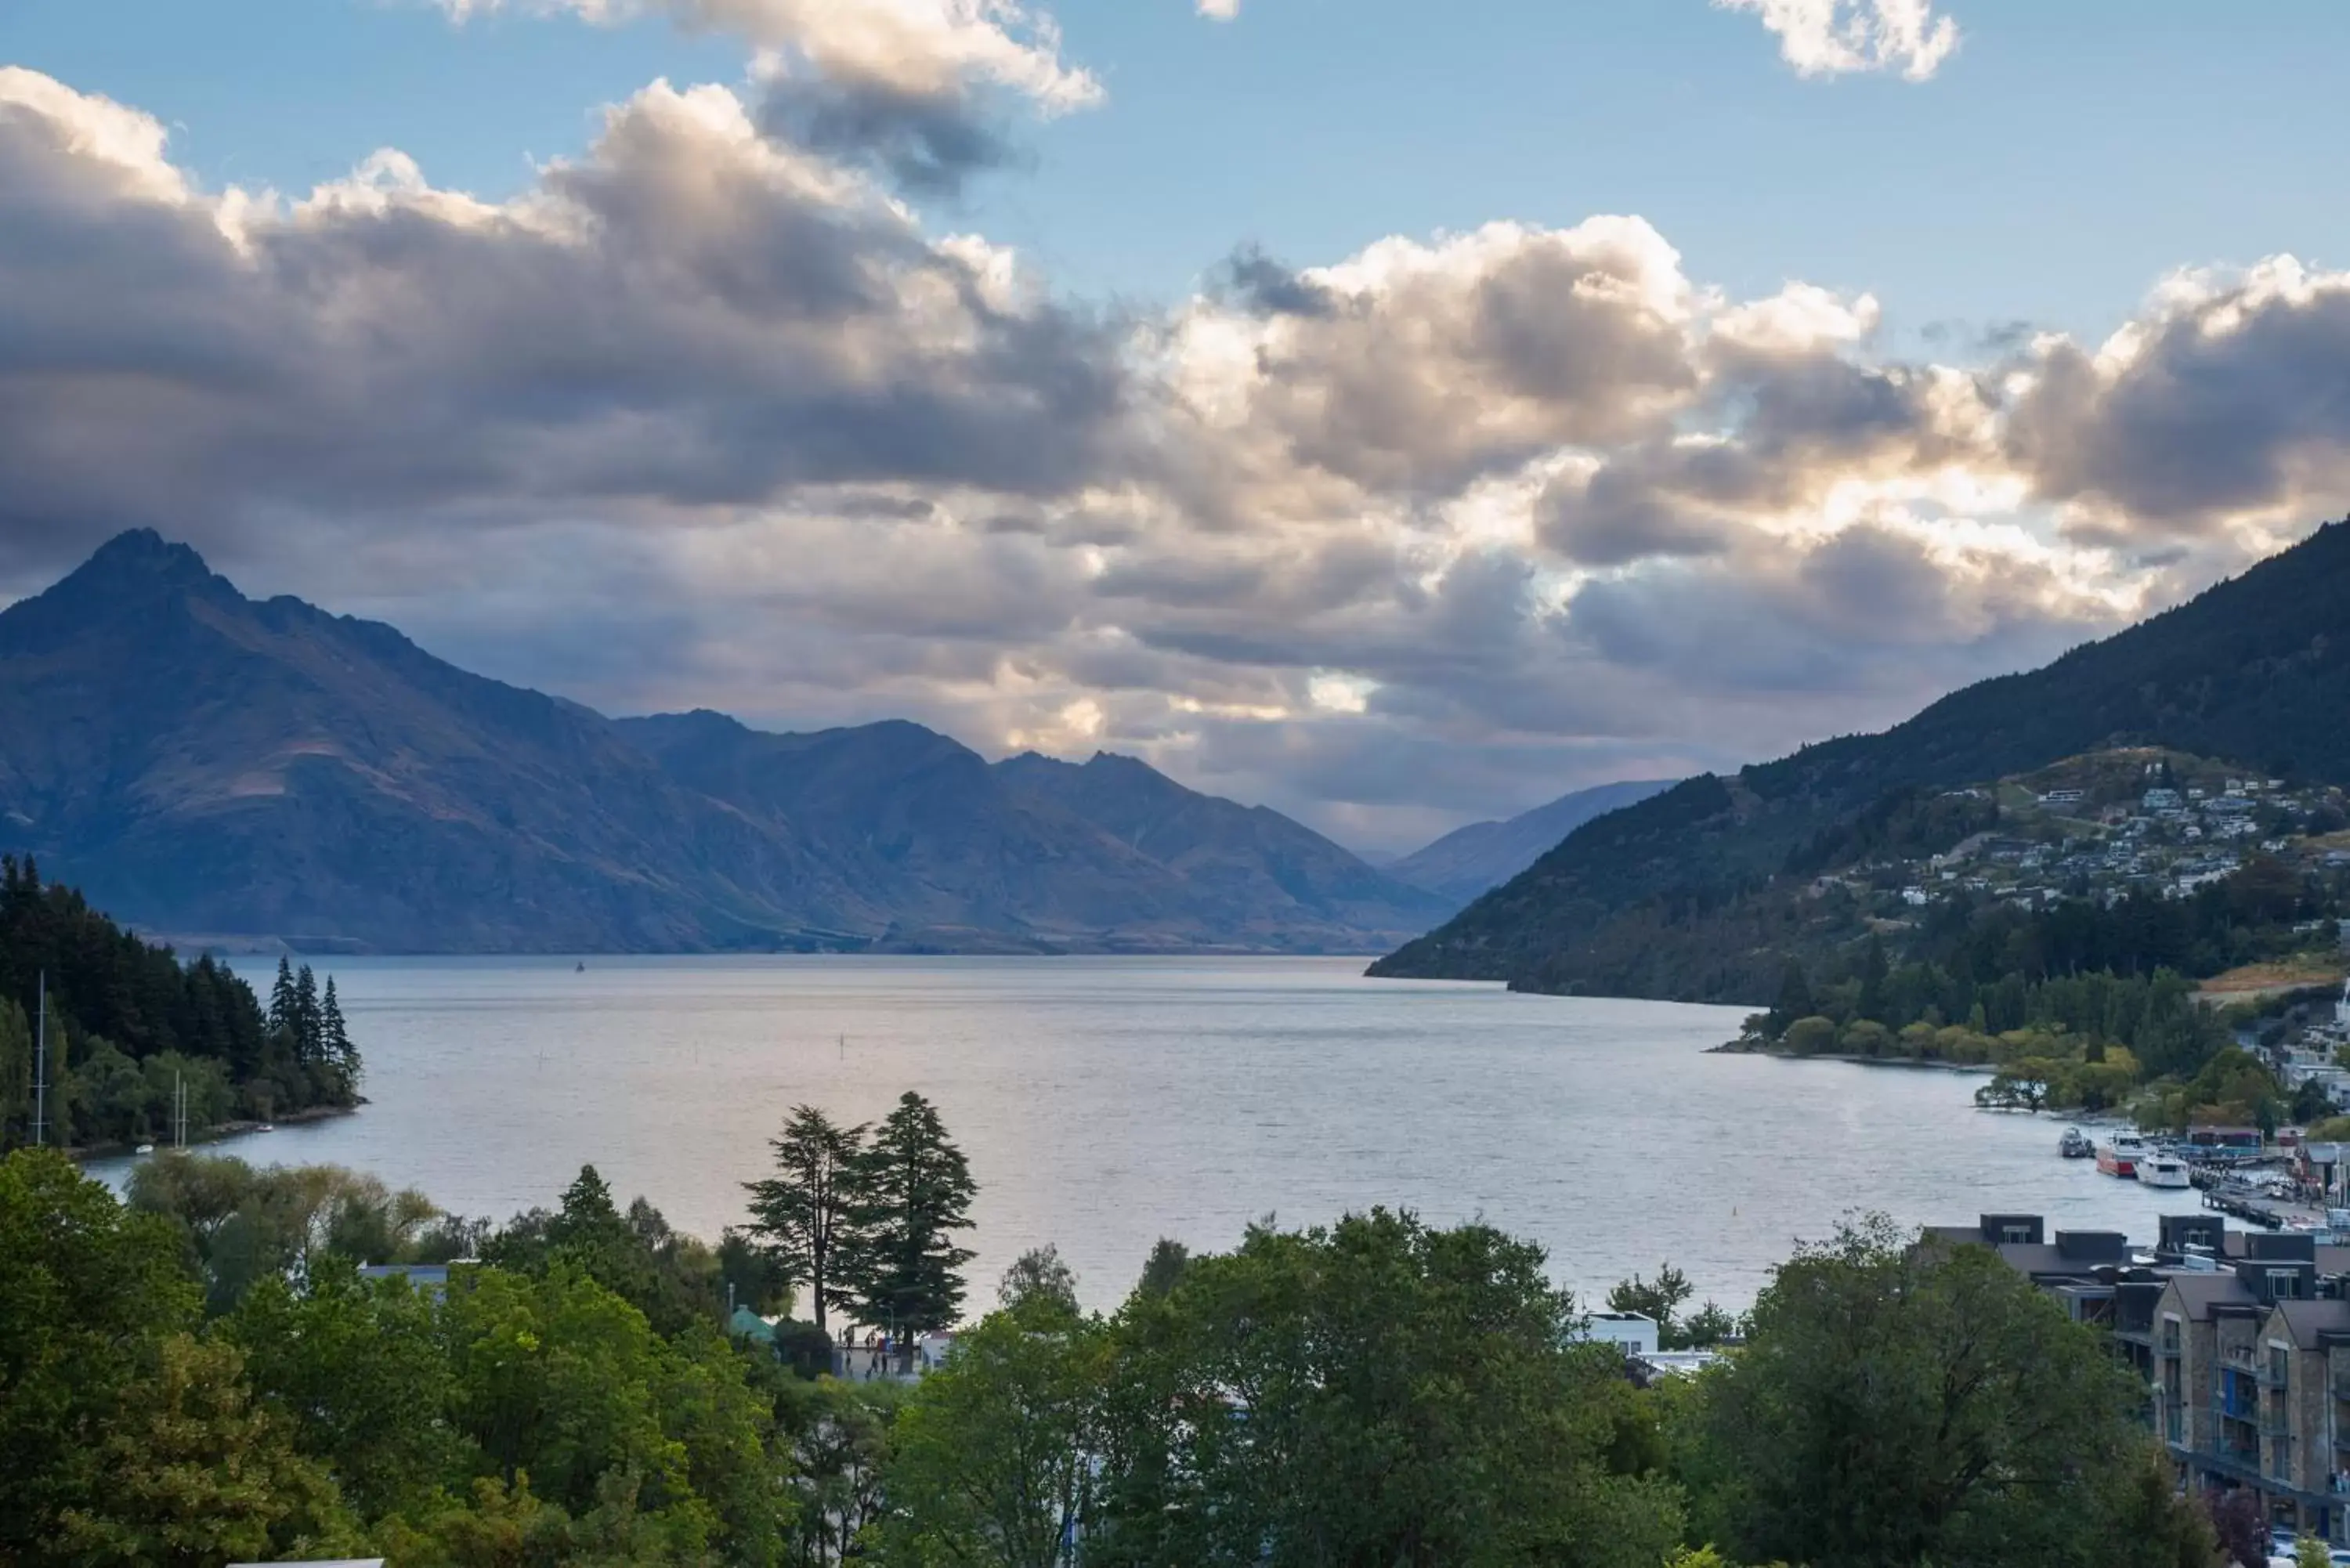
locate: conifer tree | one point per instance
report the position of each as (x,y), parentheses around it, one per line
(914,1192)
(805,1214)
(335,1039)
(309,1023)
(280,1000)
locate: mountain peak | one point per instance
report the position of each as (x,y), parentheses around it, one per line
(139,565)
(147,554)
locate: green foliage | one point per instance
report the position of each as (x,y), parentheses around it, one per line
(239,1225)
(195,1474)
(841,1442)
(1038,1274)
(993,1458)
(1374,1392)
(1895,1405)
(88,1292)
(1164,1268)
(674,1279)
(913,1191)
(126,1016)
(360,1369)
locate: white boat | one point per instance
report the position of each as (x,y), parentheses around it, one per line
(2162,1170)
(2123,1156)
(145,1148)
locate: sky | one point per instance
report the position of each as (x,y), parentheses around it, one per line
(1397,415)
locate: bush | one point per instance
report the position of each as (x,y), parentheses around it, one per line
(1810,1036)
(804,1348)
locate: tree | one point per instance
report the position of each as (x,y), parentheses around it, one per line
(340,1057)
(1163,1270)
(197,1475)
(358,1369)
(806,1213)
(285,1012)
(913,1191)
(1374,1392)
(1899,1405)
(995,1455)
(309,1020)
(1659,1302)
(840,1445)
(87,1291)
(1039,1274)
(2239,1525)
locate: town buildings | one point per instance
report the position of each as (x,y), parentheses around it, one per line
(2242,1340)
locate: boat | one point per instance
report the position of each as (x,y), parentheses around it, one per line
(145,1148)
(2076,1145)
(2163,1170)
(2123,1156)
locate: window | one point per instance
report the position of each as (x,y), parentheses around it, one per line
(2169,1337)
(2014,1235)
(2280,1364)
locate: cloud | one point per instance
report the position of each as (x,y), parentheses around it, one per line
(1219,10)
(912,86)
(693,315)
(1835,37)
(708,416)
(2223,410)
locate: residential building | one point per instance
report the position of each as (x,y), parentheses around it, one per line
(1632,1331)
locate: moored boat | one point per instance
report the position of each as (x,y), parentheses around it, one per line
(2076,1145)
(2162,1170)
(2123,1156)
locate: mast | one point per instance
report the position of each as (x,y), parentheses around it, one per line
(41,1066)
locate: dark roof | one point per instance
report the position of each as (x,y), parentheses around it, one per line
(2306,1320)
(2198,1293)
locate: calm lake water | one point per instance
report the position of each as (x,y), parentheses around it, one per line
(1107,1102)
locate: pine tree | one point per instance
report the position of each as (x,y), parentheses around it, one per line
(914,1191)
(309,1023)
(805,1212)
(335,1040)
(280,1000)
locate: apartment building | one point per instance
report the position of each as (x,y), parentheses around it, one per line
(2243,1340)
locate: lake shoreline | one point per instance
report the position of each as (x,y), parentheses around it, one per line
(219,1132)
(1740,1048)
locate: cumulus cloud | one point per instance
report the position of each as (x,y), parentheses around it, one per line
(2223,410)
(1834,38)
(692,314)
(1219,10)
(707,415)
(910,84)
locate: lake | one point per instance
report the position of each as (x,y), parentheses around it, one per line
(1107,1102)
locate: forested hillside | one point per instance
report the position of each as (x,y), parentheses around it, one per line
(2256,669)
(130,1027)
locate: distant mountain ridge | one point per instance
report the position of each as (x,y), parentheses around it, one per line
(1471,860)
(201,761)
(2256,669)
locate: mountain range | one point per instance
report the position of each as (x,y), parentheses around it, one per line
(1470,860)
(1658,899)
(204,763)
